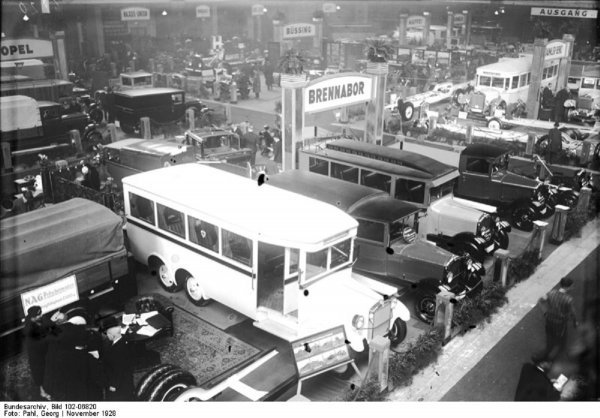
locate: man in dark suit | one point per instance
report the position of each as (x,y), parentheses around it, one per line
(554,144)
(117,359)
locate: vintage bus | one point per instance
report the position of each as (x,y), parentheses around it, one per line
(455,224)
(257,249)
(508,80)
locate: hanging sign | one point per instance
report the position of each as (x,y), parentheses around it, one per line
(18,49)
(258,10)
(135,13)
(329,8)
(299,30)
(559,12)
(53,296)
(337,92)
(415,22)
(459,19)
(555,49)
(202,11)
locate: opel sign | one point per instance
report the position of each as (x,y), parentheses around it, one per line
(18,49)
(299,30)
(337,92)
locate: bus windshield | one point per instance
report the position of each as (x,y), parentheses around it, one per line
(327,259)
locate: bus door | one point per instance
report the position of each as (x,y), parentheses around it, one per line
(270,276)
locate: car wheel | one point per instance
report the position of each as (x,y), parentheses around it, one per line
(472,249)
(503,239)
(96,115)
(149,380)
(458,97)
(166,280)
(569,199)
(494,123)
(194,292)
(91,140)
(425,306)
(171,385)
(522,218)
(398,332)
(407,111)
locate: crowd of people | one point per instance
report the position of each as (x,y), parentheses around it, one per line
(70,360)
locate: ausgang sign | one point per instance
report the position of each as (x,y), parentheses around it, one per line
(53,296)
(555,49)
(135,13)
(337,92)
(560,12)
(299,30)
(18,49)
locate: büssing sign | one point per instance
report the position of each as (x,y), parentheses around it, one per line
(135,13)
(18,49)
(299,30)
(337,92)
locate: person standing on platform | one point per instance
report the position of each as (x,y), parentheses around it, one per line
(117,359)
(554,144)
(559,105)
(251,140)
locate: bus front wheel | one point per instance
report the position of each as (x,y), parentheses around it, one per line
(194,292)
(165,278)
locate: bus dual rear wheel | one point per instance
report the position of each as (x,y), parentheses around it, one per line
(166,280)
(194,292)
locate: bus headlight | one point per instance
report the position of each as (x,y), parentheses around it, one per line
(358,321)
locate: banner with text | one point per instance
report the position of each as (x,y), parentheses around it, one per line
(337,92)
(53,296)
(18,49)
(135,13)
(560,12)
(299,30)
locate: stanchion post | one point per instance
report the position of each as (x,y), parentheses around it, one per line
(6,157)
(191,117)
(539,235)
(145,127)
(560,222)
(233,93)
(228,112)
(501,264)
(112,131)
(444,309)
(76,140)
(469,134)
(379,359)
(530,144)
(432,124)
(583,204)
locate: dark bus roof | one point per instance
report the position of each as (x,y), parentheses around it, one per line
(395,156)
(484,150)
(21,84)
(354,199)
(370,163)
(148,91)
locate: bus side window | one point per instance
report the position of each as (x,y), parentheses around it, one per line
(170,220)
(344,172)
(316,165)
(141,208)
(413,191)
(203,234)
(237,247)
(515,82)
(522,80)
(376,180)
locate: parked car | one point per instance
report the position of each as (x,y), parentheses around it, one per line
(162,105)
(484,177)
(218,145)
(389,247)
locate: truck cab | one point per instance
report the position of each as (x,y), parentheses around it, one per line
(218,145)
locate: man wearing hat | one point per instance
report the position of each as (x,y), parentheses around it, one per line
(117,358)
(554,144)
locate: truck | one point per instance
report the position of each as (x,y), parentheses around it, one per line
(69,256)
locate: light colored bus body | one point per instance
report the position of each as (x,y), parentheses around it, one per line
(509,78)
(301,301)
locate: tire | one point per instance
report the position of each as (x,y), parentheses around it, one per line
(149,380)
(193,292)
(472,249)
(522,218)
(425,306)
(494,123)
(503,239)
(166,280)
(407,112)
(96,115)
(92,139)
(171,385)
(398,332)
(456,97)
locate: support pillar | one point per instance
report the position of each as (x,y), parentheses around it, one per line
(538,238)
(292,117)
(449,26)
(379,359)
(60,55)
(560,222)
(145,128)
(402,28)
(76,140)
(277,31)
(537,66)
(214,20)
(467,27)
(98,32)
(583,204)
(501,264)
(444,309)
(426,28)
(564,65)
(318,38)
(191,118)
(375,107)
(112,131)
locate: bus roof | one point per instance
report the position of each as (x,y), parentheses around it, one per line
(34,83)
(399,157)
(148,91)
(266,212)
(507,67)
(154,147)
(354,199)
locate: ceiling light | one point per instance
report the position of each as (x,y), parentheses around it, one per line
(338,7)
(265,10)
(25,18)
(496,12)
(164,13)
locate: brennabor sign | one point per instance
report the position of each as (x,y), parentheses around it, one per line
(299,30)
(560,12)
(135,13)
(53,296)
(337,92)
(18,49)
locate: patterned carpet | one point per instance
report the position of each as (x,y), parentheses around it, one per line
(210,354)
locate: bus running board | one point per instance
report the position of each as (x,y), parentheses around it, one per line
(277,328)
